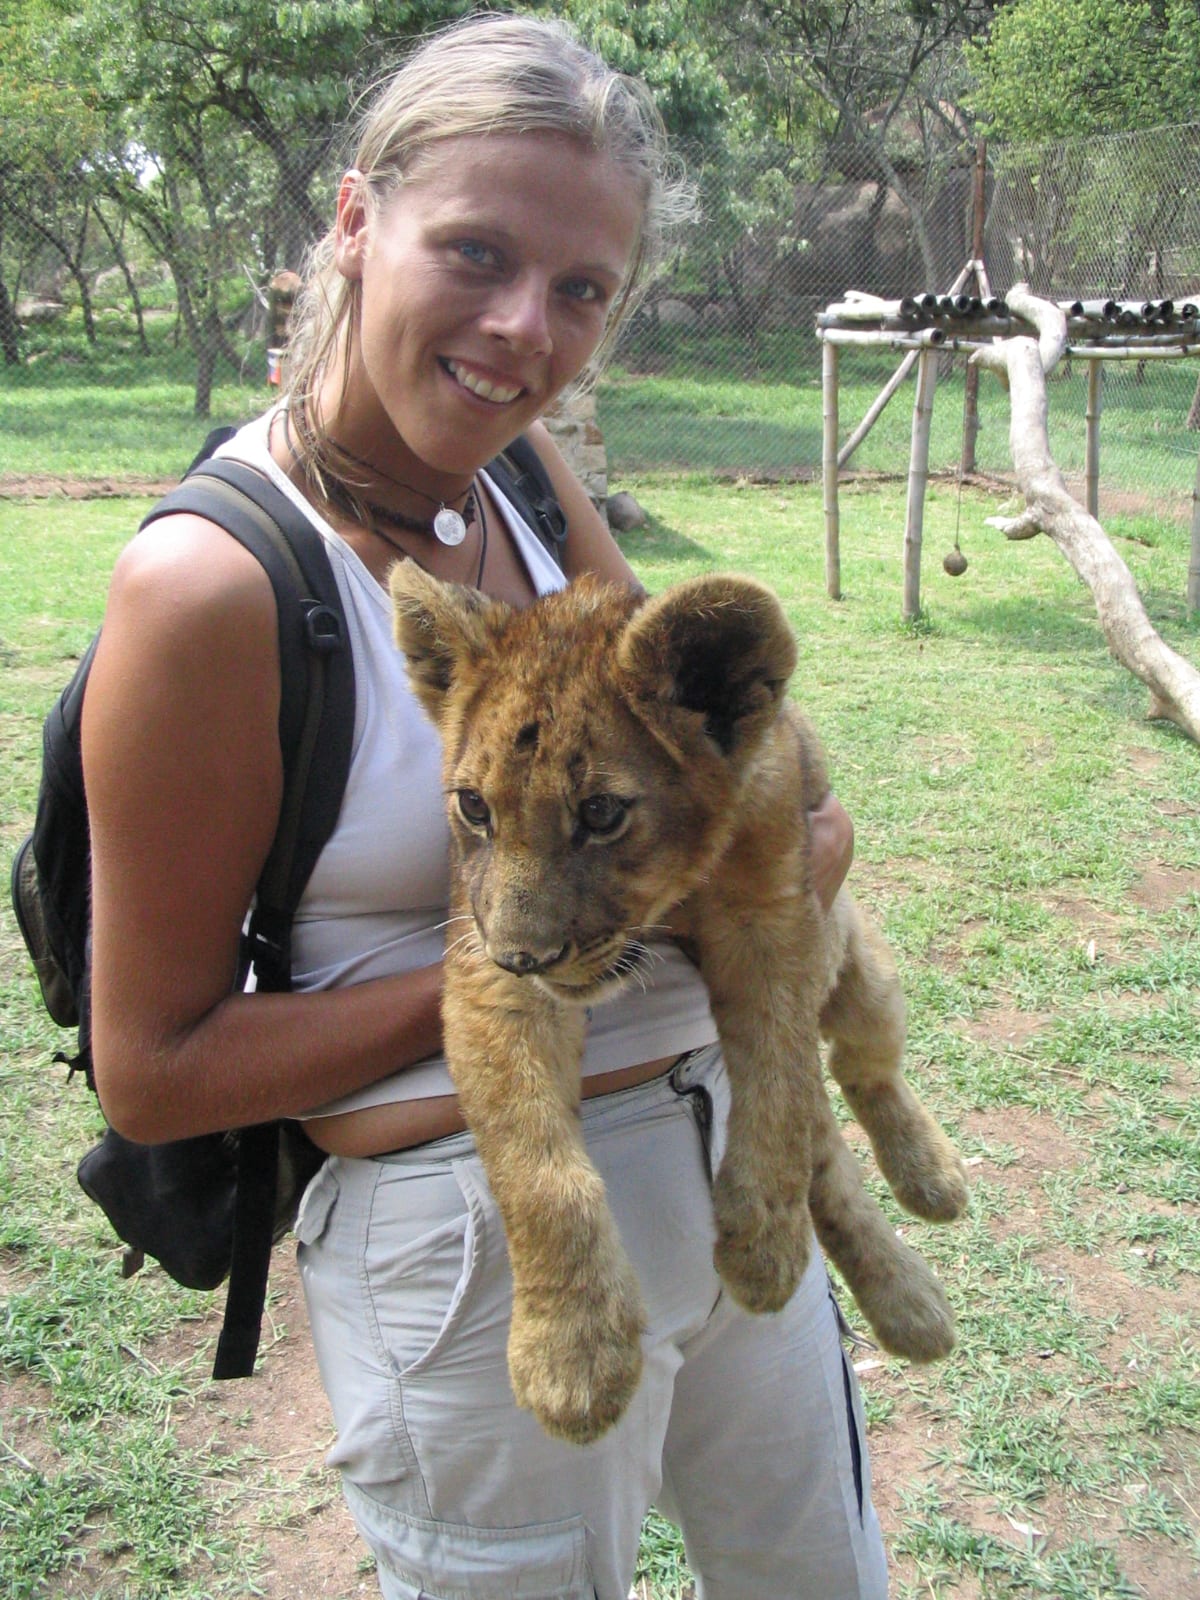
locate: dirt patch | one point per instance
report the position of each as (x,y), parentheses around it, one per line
(281,1416)
(1010,1030)
(1160,887)
(47,488)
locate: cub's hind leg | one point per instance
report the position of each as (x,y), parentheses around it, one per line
(750,953)
(863,1018)
(896,1291)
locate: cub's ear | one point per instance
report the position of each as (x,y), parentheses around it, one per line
(718,646)
(441,628)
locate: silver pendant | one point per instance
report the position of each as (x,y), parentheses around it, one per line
(449,526)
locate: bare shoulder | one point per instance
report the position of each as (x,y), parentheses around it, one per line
(190,565)
(188,660)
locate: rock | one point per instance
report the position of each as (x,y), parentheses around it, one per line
(624,513)
(33,312)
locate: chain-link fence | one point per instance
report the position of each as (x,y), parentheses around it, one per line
(724,380)
(719,371)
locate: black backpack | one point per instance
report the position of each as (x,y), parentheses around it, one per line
(211,1207)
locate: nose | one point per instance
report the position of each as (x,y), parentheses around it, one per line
(526,963)
(520,315)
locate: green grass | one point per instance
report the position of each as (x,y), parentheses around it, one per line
(1031,845)
(687,403)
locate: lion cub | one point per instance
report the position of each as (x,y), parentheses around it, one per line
(615,764)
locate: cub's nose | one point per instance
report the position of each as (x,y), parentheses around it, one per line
(527,963)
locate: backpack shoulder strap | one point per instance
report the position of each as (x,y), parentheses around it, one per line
(316,714)
(317,682)
(519,471)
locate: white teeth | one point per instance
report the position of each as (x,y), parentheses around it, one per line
(499,393)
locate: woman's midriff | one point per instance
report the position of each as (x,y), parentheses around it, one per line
(401,1124)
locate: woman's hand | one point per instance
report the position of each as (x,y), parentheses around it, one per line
(832,849)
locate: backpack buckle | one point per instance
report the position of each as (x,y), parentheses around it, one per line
(322,628)
(268,947)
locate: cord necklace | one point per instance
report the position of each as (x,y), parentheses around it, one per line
(337,495)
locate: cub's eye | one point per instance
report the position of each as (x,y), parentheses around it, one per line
(603,813)
(473,808)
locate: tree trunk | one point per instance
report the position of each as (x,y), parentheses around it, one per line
(135,298)
(10,334)
(1174,683)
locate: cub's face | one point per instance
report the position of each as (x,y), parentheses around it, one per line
(590,782)
(575,829)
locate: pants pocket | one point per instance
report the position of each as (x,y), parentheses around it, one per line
(420,1559)
(424,1250)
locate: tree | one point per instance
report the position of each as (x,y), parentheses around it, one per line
(1102,66)
(47,129)
(878,78)
(219,116)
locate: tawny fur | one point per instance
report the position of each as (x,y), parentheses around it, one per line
(667,715)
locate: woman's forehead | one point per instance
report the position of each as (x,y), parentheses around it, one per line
(529,182)
(476,162)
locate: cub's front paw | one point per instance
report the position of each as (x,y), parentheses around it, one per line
(762,1245)
(576,1362)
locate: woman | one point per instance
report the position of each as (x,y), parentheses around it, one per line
(504,208)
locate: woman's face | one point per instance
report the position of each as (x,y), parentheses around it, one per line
(486,283)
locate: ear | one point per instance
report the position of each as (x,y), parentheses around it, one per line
(351,229)
(718,647)
(441,627)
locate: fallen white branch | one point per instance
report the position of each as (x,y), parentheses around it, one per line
(1174,683)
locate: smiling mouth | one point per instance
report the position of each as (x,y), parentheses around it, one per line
(497,394)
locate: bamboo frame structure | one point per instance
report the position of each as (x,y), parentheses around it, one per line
(829,469)
(1095,402)
(918,479)
(923,327)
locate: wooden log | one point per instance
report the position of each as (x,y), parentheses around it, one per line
(1149,350)
(971,379)
(1122,351)
(1193,581)
(919,339)
(1091,476)
(1173,682)
(918,478)
(829,470)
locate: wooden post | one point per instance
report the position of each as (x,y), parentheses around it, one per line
(971,382)
(1193,583)
(829,468)
(1095,400)
(918,477)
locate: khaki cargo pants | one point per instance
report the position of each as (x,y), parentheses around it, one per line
(747,1431)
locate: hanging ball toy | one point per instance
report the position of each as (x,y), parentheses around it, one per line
(955,562)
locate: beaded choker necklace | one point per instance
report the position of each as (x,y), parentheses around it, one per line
(338,495)
(449,526)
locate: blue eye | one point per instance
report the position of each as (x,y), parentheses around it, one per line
(481,255)
(582,289)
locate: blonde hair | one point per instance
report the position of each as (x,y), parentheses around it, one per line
(488,74)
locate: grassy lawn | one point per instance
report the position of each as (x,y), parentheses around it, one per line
(1032,847)
(110,413)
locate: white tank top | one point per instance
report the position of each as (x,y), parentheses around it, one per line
(376,904)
